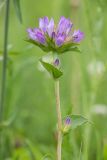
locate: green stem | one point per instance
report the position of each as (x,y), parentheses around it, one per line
(59,119)
(99,148)
(3,83)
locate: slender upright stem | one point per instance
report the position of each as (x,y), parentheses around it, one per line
(59,119)
(3,83)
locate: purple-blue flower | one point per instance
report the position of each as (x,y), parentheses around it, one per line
(77,36)
(36,35)
(68,121)
(57,38)
(64,26)
(46,26)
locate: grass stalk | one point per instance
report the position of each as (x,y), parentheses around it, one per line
(3,81)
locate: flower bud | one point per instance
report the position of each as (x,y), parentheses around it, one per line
(67,125)
(56,62)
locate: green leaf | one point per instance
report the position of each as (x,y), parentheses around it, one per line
(2,4)
(68,47)
(28,152)
(55,72)
(8,122)
(77,120)
(46,157)
(15,53)
(44,48)
(34,152)
(75,49)
(4,124)
(18,9)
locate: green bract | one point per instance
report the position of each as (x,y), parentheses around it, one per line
(54,71)
(76,121)
(52,48)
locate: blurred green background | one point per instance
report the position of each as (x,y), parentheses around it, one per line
(30,99)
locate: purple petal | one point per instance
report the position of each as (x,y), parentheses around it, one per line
(40,37)
(68,121)
(50,28)
(43,23)
(68,26)
(60,39)
(64,26)
(46,20)
(61,21)
(36,30)
(37,35)
(53,35)
(77,36)
(31,34)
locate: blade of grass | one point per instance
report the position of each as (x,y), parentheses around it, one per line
(18,9)
(3,82)
(2,4)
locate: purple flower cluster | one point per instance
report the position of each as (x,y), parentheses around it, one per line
(51,37)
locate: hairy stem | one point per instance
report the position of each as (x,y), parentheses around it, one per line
(59,119)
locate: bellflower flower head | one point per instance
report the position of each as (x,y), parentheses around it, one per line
(56,38)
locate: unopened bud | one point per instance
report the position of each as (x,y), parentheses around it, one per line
(56,62)
(68,121)
(67,125)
